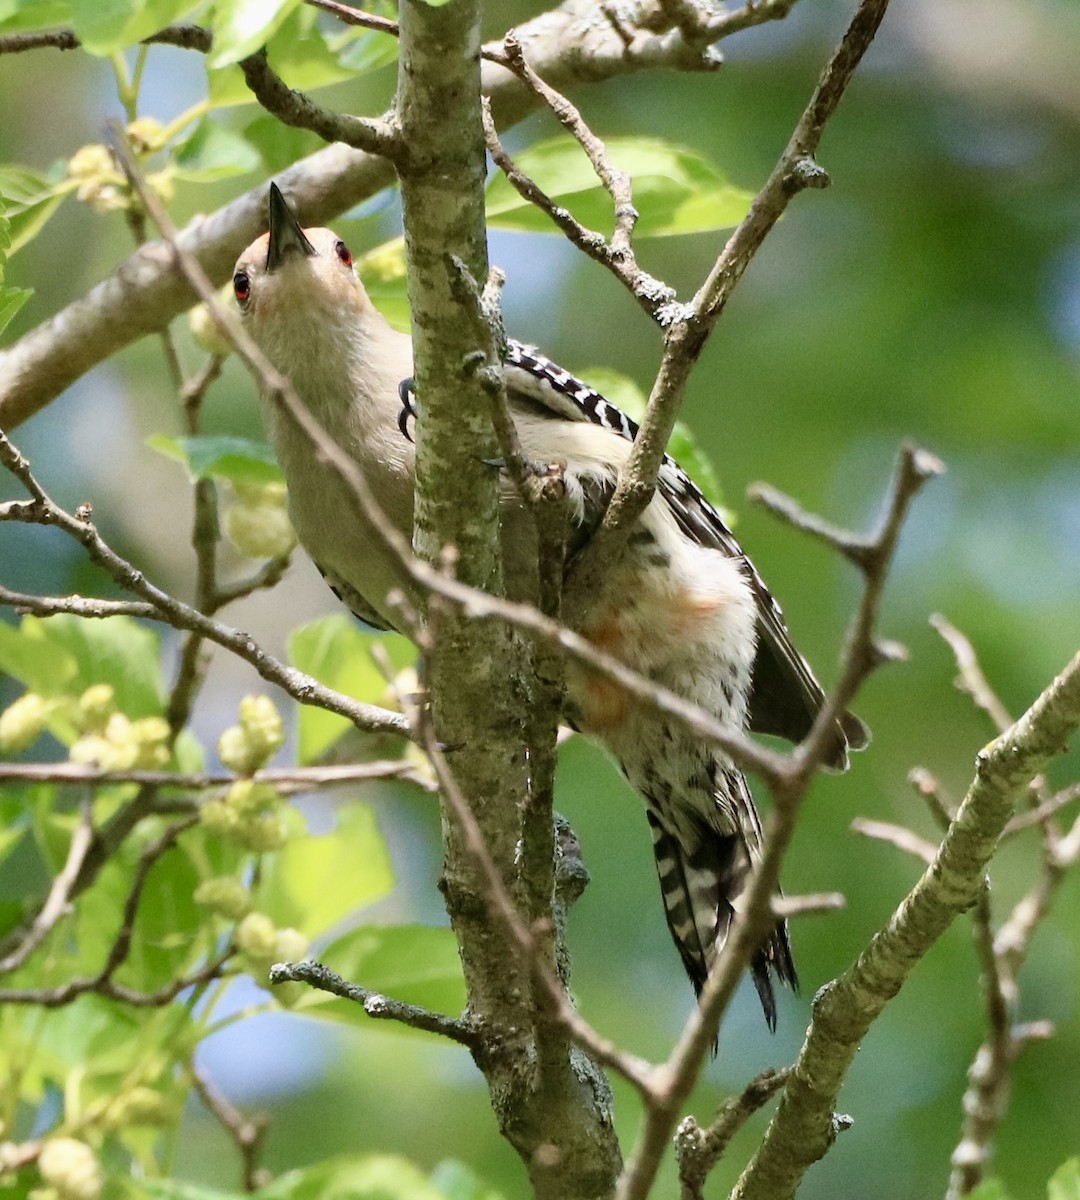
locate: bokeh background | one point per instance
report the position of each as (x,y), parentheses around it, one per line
(932,292)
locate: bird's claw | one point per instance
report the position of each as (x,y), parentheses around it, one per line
(407,395)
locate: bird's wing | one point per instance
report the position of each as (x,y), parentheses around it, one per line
(786,695)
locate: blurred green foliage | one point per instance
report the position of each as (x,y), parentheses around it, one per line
(933,292)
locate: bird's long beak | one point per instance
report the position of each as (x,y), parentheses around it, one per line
(286,236)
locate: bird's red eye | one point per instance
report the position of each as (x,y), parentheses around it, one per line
(241,288)
(343,253)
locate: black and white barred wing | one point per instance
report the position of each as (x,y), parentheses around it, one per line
(786,695)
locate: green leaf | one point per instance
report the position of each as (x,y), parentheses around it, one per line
(1065,1182)
(214,152)
(34,14)
(116,650)
(417,964)
(239,460)
(243,26)
(226,87)
(300,55)
(316,880)
(383,273)
(989,1189)
(338,653)
(28,655)
(170,929)
(355,1177)
(682,446)
(106,26)
(11,299)
(278,145)
(30,199)
(675,190)
(363,50)
(177,1189)
(456,1181)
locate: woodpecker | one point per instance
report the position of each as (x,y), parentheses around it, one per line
(683,606)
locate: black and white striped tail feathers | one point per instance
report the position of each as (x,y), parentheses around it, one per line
(700,883)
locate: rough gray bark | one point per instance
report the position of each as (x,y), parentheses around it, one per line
(551,1102)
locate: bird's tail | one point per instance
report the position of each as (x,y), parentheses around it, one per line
(701,879)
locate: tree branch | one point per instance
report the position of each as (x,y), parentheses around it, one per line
(293,108)
(571,45)
(803,1128)
(788,787)
(376,1005)
(43,511)
(690,325)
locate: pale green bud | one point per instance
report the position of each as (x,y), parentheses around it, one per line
(259,530)
(161,182)
(151,737)
(261,834)
(290,993)
(90,161)
(96,705)
(257,937)
(72,1168)
(219,817)
(146,135)
(226,895)
(237,752)
(291,946)
(22,723)
(141,1106)
(249,798)
(205,331)
(262,722)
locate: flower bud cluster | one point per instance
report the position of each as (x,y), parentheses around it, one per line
(103,185)
(112,741)
(249,815)
(246,747)
(258,524)
(22,722)
(224,895)
(108,739)
(71,1168)
(205,332)
(141,1105)
(262,944)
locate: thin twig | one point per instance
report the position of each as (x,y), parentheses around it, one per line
(813,904)
(354,16)
(296,778)
(690,325)
(803,1127)
(186,37)
(896,835)
(59,897)
(698,1150)
(942,809)
(971,679)
(1038,815)
(618,183)
(651,293)
(301,112)
(376,1005)
(247,1132)
(42,510)
(755,916)
(500,904)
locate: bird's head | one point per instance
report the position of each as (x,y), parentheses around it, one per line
(293,285)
